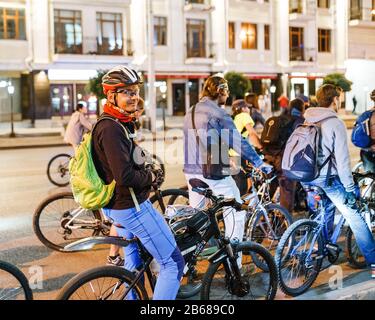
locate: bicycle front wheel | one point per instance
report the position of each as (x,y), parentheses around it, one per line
(266,228)
(299,257)
(219,282)
(103,283)
(13,283)
(59,220)
(58,170)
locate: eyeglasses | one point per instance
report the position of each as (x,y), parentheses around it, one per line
(129,93)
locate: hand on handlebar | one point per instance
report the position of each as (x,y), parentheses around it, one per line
(159,177)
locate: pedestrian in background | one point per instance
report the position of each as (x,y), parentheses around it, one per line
(78,125)
(283,102)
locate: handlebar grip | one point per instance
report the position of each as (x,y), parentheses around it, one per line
(240,207)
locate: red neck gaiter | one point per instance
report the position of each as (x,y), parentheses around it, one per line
(108,108)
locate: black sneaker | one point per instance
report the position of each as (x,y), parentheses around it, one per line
(115,261)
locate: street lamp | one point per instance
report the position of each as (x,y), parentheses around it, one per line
(163,89)
(11,90)
(273,90)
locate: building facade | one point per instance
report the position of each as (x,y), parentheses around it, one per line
(49,49)
(361,58)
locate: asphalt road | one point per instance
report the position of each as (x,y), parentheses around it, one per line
(23,184)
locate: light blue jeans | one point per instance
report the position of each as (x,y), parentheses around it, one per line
(336,195)
(153,232)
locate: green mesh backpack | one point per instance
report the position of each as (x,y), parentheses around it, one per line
(89,190)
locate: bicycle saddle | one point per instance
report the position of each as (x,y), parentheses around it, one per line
(196,183)
(314,189)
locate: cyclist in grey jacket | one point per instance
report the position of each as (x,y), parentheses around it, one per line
(337,180)
(210,137)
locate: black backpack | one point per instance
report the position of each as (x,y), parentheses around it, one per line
(275,134)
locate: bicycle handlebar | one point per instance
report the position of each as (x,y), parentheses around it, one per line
(220,201)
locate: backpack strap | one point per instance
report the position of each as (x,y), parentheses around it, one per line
(127,135)
(195,128)
(330,157)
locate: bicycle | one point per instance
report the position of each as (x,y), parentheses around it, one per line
(59,220)
(366,183)
(58,168)
(267,221)
(202,226)
(13,283)
(304,246)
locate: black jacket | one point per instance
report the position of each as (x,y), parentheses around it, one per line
(113,158)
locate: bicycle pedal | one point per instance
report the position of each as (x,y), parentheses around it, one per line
(333,247)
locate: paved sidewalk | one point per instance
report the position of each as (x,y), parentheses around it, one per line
(49,133)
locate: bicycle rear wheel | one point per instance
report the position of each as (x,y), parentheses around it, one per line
(219,282)
(299,257)
(55,227)
(58,170)
(267,227)
(102,283)
(13,283)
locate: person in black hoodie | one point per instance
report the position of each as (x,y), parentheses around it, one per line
(294,113)
(117,157)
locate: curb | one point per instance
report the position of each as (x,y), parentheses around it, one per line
(62,144)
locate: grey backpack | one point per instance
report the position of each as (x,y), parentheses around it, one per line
(301,155)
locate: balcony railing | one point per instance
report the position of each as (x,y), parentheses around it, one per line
(303,54)
(203,51)
(96,46)
(199,5)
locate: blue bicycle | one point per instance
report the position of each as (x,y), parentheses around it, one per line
(306,243)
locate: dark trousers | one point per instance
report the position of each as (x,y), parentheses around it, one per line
(287,187)
(240,178)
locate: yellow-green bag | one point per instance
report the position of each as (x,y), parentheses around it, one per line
(89,190)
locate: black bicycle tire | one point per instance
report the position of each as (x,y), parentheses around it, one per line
(243,246)
(253,222)
(353,262)
(107,271)
(278,259)
(169,192)
(21,278)
(38,211)
(49,169)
